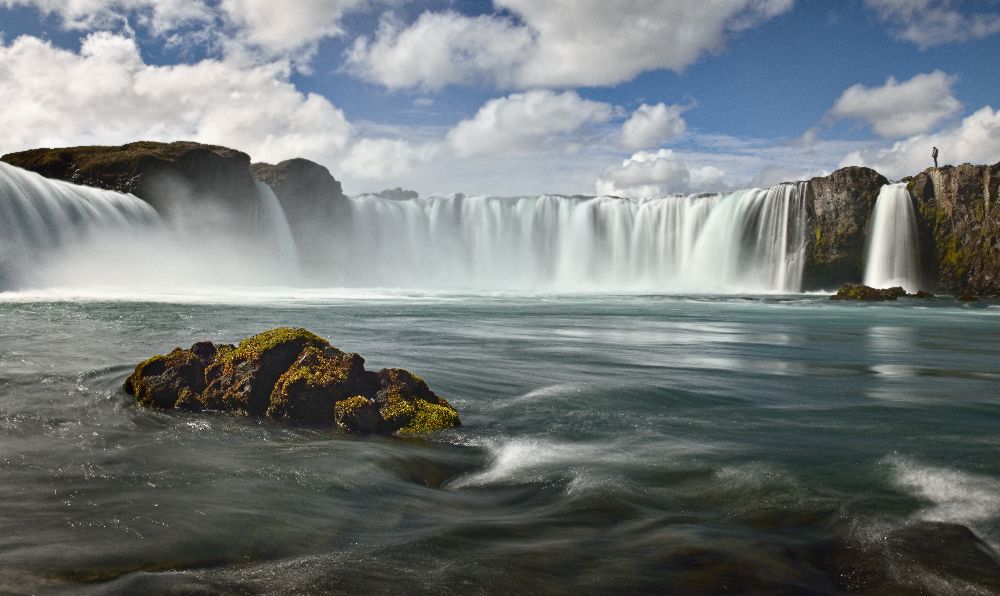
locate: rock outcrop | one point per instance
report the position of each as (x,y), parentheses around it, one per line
(397,194)
(169,176)
(839,208)
(295,375)
(958,211)
(854,291)
(307,191)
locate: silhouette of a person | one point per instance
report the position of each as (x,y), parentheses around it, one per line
(934,155)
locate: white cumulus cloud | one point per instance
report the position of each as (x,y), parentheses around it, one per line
(556,43)
(384,158)
(933,22)
(525,122)
(440,49)
(651,125)
(976,139)
(159,16)
(255,28)
(659,173)
(901,109)
(106,94)
(285,28)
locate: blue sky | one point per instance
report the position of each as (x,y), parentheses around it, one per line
(635,98)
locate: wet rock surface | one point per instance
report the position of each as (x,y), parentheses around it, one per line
(839,208)
(958,213)
(295,375)
(168,176)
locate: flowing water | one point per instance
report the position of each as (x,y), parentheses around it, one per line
(610,443)
(691,439)
(893,248)
(749,240)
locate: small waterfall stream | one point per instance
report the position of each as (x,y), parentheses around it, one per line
(272,227)
(893,246)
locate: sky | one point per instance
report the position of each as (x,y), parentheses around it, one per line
(516,97)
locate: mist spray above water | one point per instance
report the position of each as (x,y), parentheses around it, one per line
(54,234)
(893,246)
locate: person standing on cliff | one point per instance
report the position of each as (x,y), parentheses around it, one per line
(934,155)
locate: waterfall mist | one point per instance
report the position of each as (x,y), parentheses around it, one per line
(749,241)
(893,246)
(54,234)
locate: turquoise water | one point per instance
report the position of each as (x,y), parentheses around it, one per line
(610,443)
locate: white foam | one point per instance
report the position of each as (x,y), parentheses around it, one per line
(954,496)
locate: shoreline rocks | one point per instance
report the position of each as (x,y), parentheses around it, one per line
(290,374)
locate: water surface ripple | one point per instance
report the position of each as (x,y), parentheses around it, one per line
(611,443)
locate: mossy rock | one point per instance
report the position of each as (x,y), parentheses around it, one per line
(291,374)
(244,378)
(161,380)
(318,379)
(853,291)
(408,406)
(358,413)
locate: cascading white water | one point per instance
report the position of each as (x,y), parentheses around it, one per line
(746,241)
(39,215)
(272,227)
(893,248)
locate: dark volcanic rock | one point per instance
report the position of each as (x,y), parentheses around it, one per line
(308,193)
(958,212)
(168,176)
(852,291)
(397,194)
(839,207)
(295,375)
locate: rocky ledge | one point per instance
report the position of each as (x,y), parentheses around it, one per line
(291,374)
(851,291)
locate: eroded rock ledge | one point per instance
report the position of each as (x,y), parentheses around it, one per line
(295,375)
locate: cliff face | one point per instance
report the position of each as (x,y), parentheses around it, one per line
(168,176)
(838,207)
(958,212)
(307,191)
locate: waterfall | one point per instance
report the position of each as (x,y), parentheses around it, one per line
(749,241)
(893,248)
(746,241)
(39,216)
(272,227)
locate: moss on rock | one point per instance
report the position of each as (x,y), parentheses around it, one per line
(358,414)
(291,374)
(243,378)
(318,378)
(851,291)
